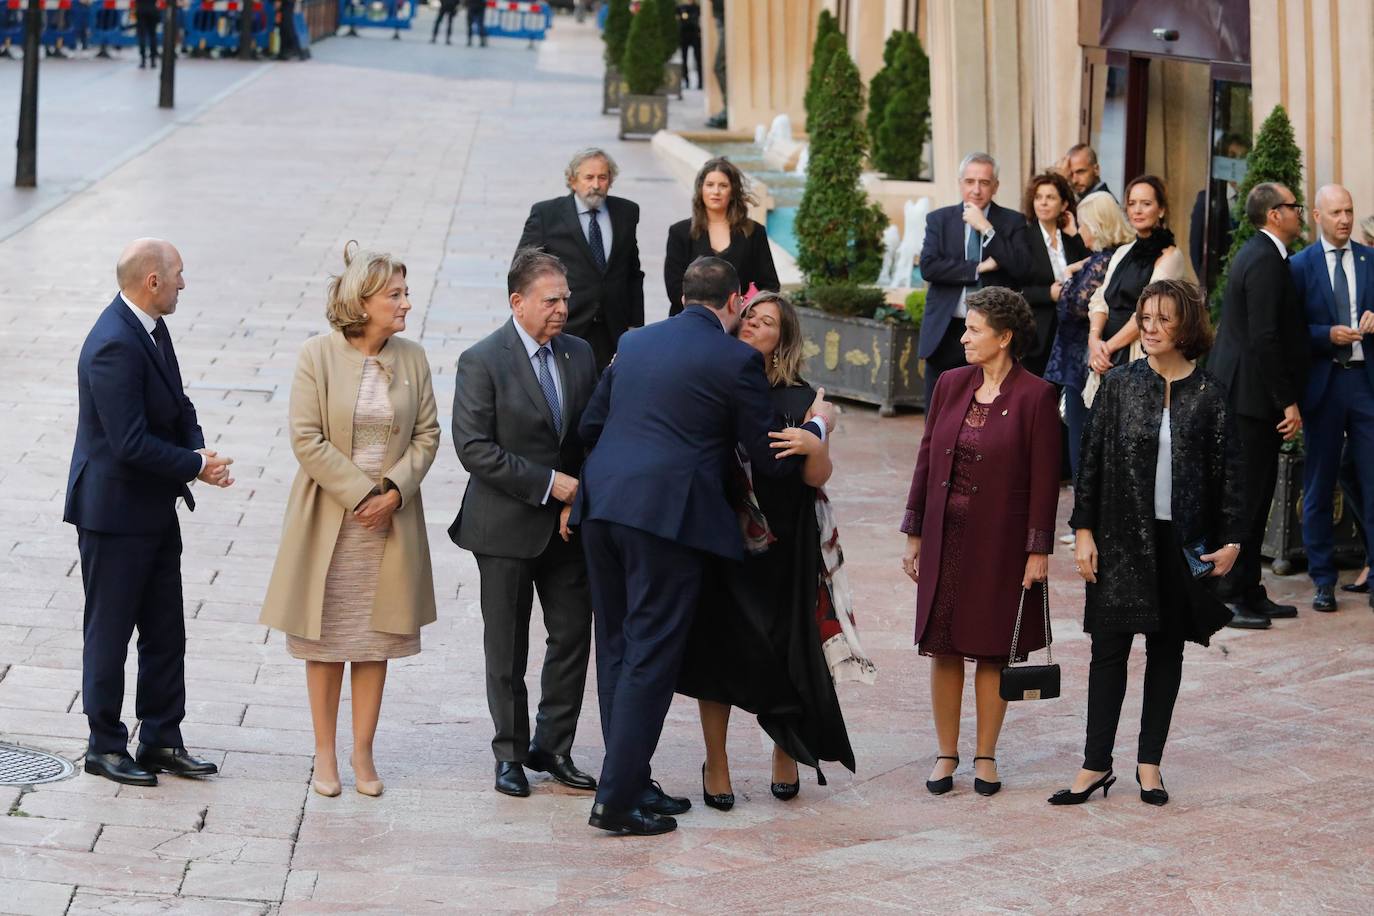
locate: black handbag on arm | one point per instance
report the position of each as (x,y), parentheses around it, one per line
(1031,682)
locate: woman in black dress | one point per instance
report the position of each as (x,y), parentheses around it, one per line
(1054,246)
(720,227)
(757,642)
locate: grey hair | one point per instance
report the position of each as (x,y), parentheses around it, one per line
(981,158)
(591,152)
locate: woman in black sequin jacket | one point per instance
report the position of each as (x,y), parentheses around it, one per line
(1133,515)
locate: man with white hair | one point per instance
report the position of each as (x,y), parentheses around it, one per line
(593,234)
(138,446)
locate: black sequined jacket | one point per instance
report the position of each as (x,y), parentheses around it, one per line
(1114,493)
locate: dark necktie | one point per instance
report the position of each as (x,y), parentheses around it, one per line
(594,239)
(1340,288)
(550,390)
(974,250)
(162,342)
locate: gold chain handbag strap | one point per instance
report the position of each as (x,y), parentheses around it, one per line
(1016,633)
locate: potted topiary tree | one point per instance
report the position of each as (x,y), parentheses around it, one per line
(821,49)
(899,109)
(672,70)
(643,109)
(615,34)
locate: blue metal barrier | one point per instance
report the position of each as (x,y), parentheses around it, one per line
(211,24)
(111,24)
(518,19)
(376,14)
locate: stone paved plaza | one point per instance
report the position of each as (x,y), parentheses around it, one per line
(436,153)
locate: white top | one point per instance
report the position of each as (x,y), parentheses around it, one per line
(531,349)
(603,219)
(1348,263)
(961,310)
(1283,249)
(149,322)
(1054,244)
(1164,471)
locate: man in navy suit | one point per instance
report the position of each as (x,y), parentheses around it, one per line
(138,445)
(1335,277)
(662,426)
(967,246)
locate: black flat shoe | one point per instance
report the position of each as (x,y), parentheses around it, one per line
(561,768)
(983,786)
(118,766)
(1324,600)
(1070,797)
(1361,588)
(722,802)
(173,760)
(655,800)
(511,779)
(941,786)
(635,822)
(1157,797)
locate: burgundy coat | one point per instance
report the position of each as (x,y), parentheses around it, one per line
(1012,507)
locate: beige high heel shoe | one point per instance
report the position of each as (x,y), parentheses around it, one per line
(326,788)
(369,787)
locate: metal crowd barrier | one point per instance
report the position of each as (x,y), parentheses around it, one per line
(376,14)
(63,23)
(518,19)
(111,24)
(214,24)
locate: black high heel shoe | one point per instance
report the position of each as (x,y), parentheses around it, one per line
(1157,797)
(722,802)
(982,786)
(1070,797)
(941,786)
(785,791)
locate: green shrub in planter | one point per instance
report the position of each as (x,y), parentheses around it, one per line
(668,29)
(617,30)
(845,299)
(904,125)
(642,65)
(826,26)
(911,312)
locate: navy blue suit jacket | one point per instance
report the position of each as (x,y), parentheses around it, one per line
(136,431)
(662,427)
(947,270)
(1319,305)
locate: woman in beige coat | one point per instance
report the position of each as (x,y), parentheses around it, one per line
(352,581)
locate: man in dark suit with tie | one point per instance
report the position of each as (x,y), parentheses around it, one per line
(138,445)
(967,246)
(1261,356)
(593,234)
(519,395)
(1335,278)
(663,426)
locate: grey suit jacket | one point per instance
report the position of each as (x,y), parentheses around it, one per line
(504,432)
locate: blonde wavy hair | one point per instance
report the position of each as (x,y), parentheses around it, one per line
(785,366)
(1101,215)
(365,274)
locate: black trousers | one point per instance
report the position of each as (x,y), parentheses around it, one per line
(948,355)
(690,42)
(290,43)
(559,575)
(477,21)
(445,9)
(132,582)
(603,344)
(1259,443)
(146,27)
(645,591)
(1163,668)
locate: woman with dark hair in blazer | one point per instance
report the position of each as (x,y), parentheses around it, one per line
(980,523)
(720,227)
(1053,246)
(1160,477)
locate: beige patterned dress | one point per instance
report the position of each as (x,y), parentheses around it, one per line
(350,588)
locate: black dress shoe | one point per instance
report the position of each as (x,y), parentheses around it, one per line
(636,821)
(173,760)
(1157,797)
(560,767)
(118,766)
(1360,588)
(1243,618)
(1325,599)
(510,779)
(984,786)
(654,799)
(944,783)
(1266,606)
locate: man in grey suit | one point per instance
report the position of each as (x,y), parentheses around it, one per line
(519,395)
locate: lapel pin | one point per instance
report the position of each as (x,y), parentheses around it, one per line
(1004,413)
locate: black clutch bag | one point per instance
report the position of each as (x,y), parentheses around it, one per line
(1199,567)
(1030,682)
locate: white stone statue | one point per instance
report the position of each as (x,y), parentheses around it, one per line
(891,242)
(914,233)
(779,132)
(760,134)
(804,159)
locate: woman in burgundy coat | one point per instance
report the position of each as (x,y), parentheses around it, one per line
(980,522)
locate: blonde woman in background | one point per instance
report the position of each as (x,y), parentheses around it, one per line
(352,581)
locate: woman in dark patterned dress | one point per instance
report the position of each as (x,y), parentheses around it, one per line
(979,523)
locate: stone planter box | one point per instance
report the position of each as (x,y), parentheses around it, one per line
(642,115)
(1283,533)
(873,362)
(672,79)
(612,88)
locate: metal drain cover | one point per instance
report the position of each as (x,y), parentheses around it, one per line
(22,766)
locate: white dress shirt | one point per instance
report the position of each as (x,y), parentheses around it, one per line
(961,310)
(1348,263)
(149,323)
(603,219)
(531,350)
(1054,244)
(1283,249)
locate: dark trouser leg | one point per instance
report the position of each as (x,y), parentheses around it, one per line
(290,44)
(1324,439)
(160,702)
(662,582)
(1106,691)
(1163,674)
(1259,443)
(948,355)
(606,579)
(1359,432)
(603,346)
(1075,417)
(561,580)
(507,596)
(1354,497)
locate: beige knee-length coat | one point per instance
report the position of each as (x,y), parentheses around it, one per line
(328,484)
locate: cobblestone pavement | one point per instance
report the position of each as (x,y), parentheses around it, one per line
(435,153)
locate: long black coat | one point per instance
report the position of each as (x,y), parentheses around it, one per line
(1114,495)
(748,254)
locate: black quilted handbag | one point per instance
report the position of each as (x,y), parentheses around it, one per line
(1031,682)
